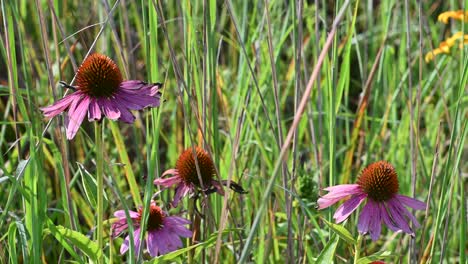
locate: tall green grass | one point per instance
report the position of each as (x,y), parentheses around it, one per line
(235,74)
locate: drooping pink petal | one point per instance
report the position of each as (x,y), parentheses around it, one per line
(137,101)
(152,243)
(94,110)
(126,243)
(375,223)
(387,219)
(337,193)
(59,106)
(407,213)
(76,114)
(176,227)
(118,227)
(108,108)
(131,84)
(397,216)
(170,172)
(125,115)
(175,220)
(163,241)
(181,191)
(367,213)
(174,242)
(348,207)
(121,214)
(219,188)
(411,202)
(168,182)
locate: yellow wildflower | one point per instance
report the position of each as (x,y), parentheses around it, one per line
(445,46)
(458,15)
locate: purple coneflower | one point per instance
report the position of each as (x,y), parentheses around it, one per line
(186,178)
(100,91)
(378,184)
(163,231)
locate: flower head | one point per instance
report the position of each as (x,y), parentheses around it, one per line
(445,46)
(163,230)
(187,179)
(101,91)
(378,186)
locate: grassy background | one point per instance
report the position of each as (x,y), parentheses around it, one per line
(234,73)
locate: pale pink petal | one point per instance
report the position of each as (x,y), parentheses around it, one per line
(94,110)
(170,172)
(152,243)
(60,106)
(76,114)
(168,182)
(337,193)
(387,220)
(121,214)
(125,245)
(108,108)
(181,191)
(348,207)
(411,202)
(375,224)
(118,227)
(397,216)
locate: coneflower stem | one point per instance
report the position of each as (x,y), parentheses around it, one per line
(357,248)
(100,187)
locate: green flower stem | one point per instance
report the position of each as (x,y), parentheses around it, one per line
(357,248)
(100,187)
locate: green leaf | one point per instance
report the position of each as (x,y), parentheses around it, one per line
(327,254)
(377,256)
(89,185)
(12,243)
(90,248)
(342,232)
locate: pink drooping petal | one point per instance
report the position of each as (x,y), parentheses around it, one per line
(397,215)
(152,243)
(132,84)
(375,224)
(76,114)
(181,191)
(174,172)
(109,109)
(219,188)
(387,219)
(174,242)
(407,213)
(367,213)
(348,207)
(137,101)
(94,110)
(175,220)
(168,182)
(121,214)
(118,227)
(59,106)
(177,228)
(337,193)
(126,243)
(411,202)
(125,115)
(163,241)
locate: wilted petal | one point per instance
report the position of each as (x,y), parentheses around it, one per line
(411,202)
(181,191)
(108,108)
(375,223)
(168,182)
(76,114)
(397,216)
(94,110)
(60,106)
(348,207)
(152,243)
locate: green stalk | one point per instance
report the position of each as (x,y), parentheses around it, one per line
(100,187)
(357,248)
